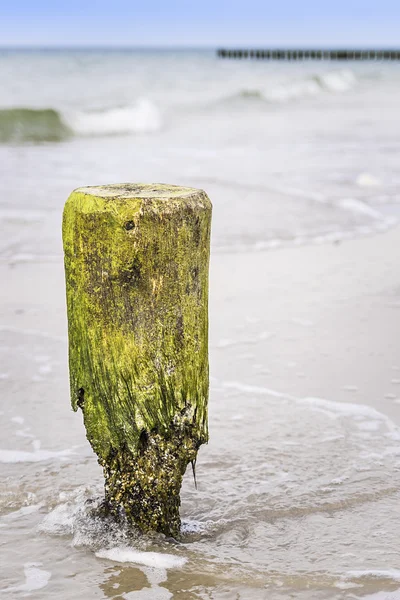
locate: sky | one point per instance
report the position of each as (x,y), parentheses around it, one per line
(196,23)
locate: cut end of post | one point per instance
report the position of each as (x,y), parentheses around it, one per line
(129,191)
(136,261)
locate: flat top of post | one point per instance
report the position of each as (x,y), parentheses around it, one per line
(139,190)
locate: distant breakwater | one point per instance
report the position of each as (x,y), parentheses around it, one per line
(293,54)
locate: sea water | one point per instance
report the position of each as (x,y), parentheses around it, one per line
(289,152)
(297,495)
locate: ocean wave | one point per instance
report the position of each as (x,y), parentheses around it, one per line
(143,117)
(19,125)
(330,82)
(337,81)
(32,125)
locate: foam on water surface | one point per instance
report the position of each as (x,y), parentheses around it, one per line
(20,456)
(359,207)
(148,559)
(391,574)
(381,596)
(36,579)
(79,516)
(367,180)
(329,406)
(142,117)
(153,564)
(22,512)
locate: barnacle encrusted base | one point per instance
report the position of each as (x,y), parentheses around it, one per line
(136,264)
(146,485)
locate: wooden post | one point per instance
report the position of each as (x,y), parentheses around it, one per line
(136,265)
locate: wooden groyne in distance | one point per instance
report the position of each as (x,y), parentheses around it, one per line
(298,54)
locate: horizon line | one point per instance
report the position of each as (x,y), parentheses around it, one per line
(215,47)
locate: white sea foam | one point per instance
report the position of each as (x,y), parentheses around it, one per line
(20,456)
(337,81)
(22,512)
(367,180)
(292,90)
(59,521)
(378,223)
(392,574)
(24,433)
(368,426)
(154,577)
(296,88)
(381,596)
(329,407)
(333,81)
(35,579)
(193,526)
(153,593)
(349,409)
(78,517)
(143,117)
(254,389)
(356,206)
(260,337)
(19,420)
(148,559)
(347,585)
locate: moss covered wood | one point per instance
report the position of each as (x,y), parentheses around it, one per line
(136,263)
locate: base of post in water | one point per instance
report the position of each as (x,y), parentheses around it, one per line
(145,486)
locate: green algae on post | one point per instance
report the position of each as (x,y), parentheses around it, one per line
(136,265)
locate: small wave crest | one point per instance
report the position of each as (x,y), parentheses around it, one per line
(32,125)
(20,125)
(143,117)
(80,515)
(337,81)
(331,82)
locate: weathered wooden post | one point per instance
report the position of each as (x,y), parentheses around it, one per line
(136,264)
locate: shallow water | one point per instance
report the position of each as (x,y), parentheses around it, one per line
(296,495)
(289,152)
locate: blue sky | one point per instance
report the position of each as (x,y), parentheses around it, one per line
(199,22)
